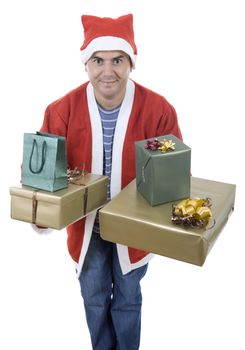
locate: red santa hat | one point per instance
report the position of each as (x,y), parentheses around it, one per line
(108,34)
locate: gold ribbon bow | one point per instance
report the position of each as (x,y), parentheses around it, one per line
(193,212)
(75,176)
(166,145)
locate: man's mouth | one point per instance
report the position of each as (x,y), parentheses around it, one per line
(108,81)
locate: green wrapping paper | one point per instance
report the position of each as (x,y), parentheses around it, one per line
(61,208)
(129,220)
(163,177)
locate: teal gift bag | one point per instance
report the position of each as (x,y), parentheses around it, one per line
(44,161)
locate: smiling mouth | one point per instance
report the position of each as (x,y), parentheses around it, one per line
(108,81)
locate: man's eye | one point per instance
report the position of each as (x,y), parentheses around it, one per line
(97,60)
(117,61)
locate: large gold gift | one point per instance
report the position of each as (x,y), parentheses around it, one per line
(129,220)
(61,208)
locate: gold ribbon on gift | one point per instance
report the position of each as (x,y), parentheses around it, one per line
(76,177)
(34,207)
(166,145)
(193,212)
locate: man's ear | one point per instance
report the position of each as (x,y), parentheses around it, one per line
(131,65)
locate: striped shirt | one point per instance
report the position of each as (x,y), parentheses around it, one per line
(108,121)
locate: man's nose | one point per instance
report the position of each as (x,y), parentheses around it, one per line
(108,68)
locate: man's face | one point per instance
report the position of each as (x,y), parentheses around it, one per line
(108,72)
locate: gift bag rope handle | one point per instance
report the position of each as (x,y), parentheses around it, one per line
(44,151)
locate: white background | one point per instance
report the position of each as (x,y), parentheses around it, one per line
(192,52)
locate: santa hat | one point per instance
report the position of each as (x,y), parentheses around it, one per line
(108,34)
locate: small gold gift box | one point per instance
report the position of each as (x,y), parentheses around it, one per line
(61,208)
(129,220)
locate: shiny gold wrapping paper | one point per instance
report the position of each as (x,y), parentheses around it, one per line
(129,220)
(61,208)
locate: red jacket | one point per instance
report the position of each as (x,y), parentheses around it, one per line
(143,114)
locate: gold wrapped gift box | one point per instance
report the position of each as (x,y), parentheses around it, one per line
(61,208)
(129,220)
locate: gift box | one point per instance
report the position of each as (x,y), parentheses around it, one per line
(163,177)
(129,220)
(61,208)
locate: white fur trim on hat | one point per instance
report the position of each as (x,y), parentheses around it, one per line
(108,43)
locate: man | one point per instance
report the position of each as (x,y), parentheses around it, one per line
(101,121)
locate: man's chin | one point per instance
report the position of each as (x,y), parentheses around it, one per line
(109,92)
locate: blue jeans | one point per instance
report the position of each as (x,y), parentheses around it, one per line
(112,300)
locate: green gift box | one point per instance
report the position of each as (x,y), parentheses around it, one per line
(163,177)
(129,220)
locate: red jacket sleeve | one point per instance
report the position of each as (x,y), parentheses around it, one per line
(169,123)
(53,122)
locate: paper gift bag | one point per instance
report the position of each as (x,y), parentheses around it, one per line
(163,177)
(44,161)
(128,219)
